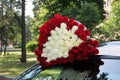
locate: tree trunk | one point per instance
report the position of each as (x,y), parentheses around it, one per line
(5,46)
(1,48)
(1,35)
(23,55)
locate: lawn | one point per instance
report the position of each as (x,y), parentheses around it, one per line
(11,66)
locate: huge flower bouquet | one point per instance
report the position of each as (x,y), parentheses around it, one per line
(63,40)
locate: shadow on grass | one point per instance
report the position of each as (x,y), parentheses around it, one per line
(11,66)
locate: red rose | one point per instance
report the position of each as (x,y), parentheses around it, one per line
(83,51)
(96,51)
(61,18)
(83,36)
(57,16)
(95,43)
(81,26)
(71,23)
(79,57)
(78,32)
(75,49)
(87,32)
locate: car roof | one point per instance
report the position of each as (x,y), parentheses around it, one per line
(110,48)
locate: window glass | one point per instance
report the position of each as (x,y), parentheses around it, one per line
(49,74)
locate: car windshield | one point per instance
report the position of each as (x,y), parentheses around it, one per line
(36,72)
(110,69)
(49,74)
(90,71)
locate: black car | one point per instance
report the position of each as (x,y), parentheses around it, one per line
(105,66)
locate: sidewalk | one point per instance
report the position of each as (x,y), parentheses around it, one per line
(12,50)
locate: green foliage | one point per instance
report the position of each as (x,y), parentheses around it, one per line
(87,14)
(10,32)
(38,20)
(31,45)
(90,15)
(110,29)
(115,15)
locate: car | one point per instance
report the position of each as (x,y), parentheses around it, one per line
(105,66)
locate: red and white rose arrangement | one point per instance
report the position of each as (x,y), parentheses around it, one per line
(63,40)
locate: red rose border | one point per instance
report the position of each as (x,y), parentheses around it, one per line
(81,52)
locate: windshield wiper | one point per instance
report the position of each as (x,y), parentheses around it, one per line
(105,57)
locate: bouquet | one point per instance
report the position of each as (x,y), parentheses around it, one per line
(63,40)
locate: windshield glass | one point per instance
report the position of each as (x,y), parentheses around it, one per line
(110,70)
(96,69)
(79,70)
(49,73)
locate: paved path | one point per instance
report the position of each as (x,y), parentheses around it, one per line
(12,50)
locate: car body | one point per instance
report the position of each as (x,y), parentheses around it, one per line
(110,70)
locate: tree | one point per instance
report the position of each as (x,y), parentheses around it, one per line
(7,26)
(23,55)
(87,14)
(110,28)
(45,9)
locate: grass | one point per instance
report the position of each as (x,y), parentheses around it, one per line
(11,66)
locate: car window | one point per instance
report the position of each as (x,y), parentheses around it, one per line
(49,73)
(79,70)
(110,70)
(29,73)
(105,69)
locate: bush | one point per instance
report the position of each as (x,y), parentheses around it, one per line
(31,45)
